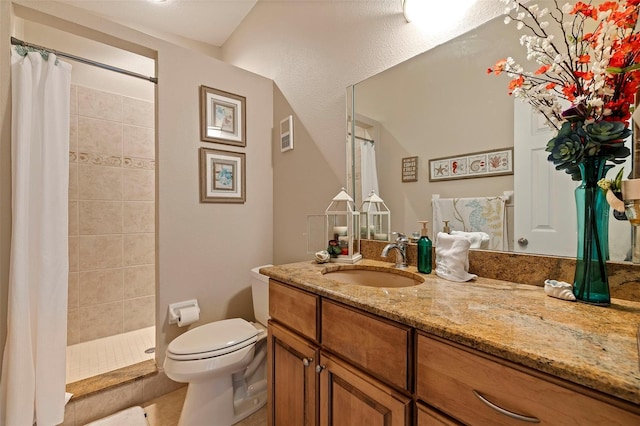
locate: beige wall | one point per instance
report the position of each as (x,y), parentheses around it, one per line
(301,187)
(313,51)
(206,251)
(203,250)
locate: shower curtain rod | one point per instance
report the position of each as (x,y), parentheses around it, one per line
(15,41)
(364,139)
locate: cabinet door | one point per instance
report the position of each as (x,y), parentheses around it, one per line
(350,398)
(293,384)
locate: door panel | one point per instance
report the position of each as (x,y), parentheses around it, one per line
(293,385)
(349,398)
(544,206)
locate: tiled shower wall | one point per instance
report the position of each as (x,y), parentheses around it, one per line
(111,215)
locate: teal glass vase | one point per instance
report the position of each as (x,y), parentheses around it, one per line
(591,283)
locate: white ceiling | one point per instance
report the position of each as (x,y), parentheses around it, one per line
(206,21)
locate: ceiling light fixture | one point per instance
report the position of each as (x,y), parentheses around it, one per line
(413,9)
(429,15)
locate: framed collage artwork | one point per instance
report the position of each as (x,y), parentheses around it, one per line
(478,164)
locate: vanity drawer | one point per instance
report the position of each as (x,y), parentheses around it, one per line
(294,308)
(454,380)
(379,346)
(427,416)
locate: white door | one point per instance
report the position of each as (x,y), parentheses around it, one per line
(544,203)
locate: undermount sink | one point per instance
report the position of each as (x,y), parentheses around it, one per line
(391,278)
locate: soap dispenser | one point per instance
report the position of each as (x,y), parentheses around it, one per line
(424,250)
(446,228)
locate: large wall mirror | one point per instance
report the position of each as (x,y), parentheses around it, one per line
(442,104)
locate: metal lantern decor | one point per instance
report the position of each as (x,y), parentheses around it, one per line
(375,219)
(342,223)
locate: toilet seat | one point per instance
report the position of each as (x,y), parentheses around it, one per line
(212,340)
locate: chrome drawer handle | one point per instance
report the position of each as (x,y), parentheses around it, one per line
(307,361)
(319,368)
(505,412)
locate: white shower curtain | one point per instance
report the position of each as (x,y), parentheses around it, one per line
(33,367)
(368,170)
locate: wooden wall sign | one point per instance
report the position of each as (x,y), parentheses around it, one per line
(410,169)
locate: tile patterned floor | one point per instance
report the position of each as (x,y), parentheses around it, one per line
(165,411)
(109,353)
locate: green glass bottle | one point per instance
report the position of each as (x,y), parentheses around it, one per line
(424,250)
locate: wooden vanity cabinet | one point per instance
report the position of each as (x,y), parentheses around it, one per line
(332,364)
(310,383)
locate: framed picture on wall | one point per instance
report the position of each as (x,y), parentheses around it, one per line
(222,176)
(222,117)
(410,169)
(496,162)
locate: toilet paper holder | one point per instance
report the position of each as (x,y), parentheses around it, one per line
(174,309)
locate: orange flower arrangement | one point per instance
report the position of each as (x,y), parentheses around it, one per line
(591,62)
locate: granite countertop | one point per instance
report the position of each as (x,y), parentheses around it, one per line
(589,345)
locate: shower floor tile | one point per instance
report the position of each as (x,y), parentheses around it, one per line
(98,356)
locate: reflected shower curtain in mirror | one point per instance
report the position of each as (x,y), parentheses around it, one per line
(33,367)
(368,170)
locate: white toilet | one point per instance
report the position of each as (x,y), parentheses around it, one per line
(224,363)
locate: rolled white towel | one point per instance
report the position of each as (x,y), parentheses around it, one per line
(452,257)
(477,239)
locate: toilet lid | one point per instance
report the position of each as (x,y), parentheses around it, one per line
(213,339)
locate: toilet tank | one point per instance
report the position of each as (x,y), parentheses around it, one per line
(260,294)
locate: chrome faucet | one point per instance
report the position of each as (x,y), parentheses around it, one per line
(400,247)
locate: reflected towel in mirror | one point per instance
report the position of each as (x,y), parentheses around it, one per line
(477,239)
(479,214)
